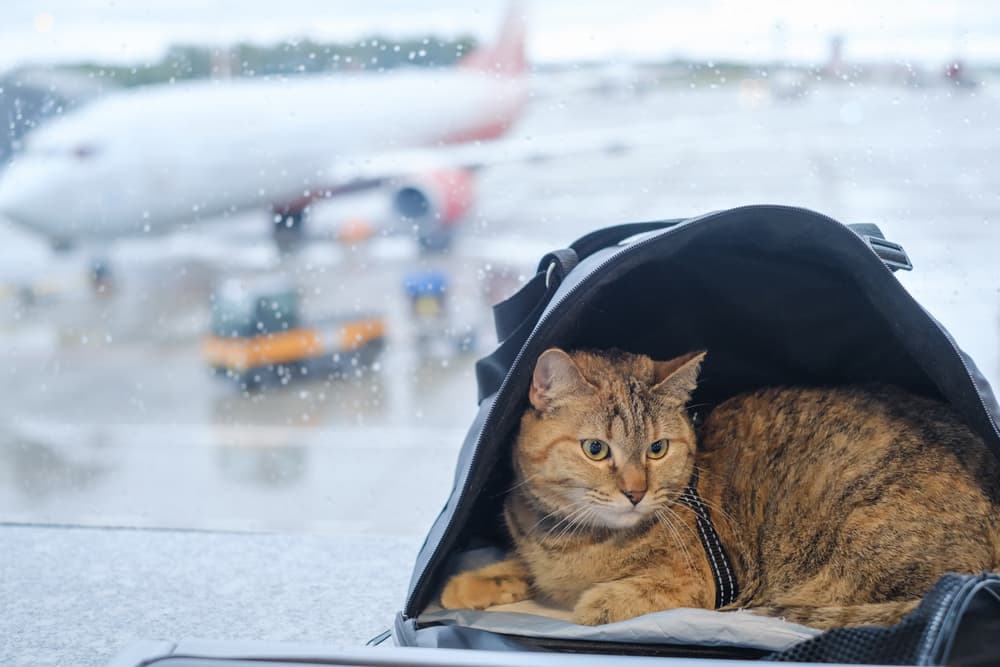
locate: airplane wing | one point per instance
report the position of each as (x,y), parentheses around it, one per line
(369,170)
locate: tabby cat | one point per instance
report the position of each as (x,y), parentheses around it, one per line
(836,506)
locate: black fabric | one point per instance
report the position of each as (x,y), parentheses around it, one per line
(516,316)
(777,295)
(510,314)
(727,588)
(973,641)
(959,607)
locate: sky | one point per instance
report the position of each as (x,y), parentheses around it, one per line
(137,31)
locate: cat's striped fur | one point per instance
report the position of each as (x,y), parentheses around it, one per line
(837,506)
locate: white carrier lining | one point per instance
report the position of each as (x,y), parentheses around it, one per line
(691,627)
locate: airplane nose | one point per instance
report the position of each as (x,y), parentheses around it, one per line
(12,200)
(23,193)
(6,194)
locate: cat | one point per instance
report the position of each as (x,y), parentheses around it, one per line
(836,506)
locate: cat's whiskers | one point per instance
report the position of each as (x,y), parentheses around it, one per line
(581,521)
(523,482)
(734,527)
(716,508)
(720,513)
(677,536)
(673,513)
(569,522)
(568,519)
(558,510)
(591,520)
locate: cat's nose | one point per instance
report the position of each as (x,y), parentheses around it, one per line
(634,496)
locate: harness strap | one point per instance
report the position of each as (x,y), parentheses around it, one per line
(726,587)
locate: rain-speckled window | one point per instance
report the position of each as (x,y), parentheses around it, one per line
(248,252)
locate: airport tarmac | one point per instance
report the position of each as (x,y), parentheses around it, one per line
(111,418)
(115,420)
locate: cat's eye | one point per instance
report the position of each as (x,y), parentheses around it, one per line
(658,449)
(595,449)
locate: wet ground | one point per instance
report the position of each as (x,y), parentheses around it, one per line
(111,419)
(115,420)
(120,422)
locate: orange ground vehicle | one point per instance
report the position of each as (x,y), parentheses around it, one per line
(258,336)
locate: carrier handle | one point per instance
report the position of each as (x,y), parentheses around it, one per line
(510,314)
(892,254)
(515,317)
(602,238)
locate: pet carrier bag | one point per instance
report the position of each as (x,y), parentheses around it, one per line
(777,295)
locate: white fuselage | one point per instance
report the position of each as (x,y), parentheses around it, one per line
(146,160)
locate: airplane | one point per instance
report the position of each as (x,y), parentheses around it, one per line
(150,160)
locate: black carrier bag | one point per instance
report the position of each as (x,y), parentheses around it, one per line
(777,295)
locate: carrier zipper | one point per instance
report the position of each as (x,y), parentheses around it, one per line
(935,646)
(615,257)
(931,644)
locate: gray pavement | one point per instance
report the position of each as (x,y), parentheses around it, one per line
(76,596)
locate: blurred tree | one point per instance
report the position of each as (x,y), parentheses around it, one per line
(186,62)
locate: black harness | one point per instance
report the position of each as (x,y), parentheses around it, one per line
(726,587)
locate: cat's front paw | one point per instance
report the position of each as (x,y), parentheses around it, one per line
(604,603)
(472,590)
(620,600)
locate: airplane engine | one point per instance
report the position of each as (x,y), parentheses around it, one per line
(434,203)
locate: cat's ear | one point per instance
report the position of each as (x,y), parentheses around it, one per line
(677,378)
(556,378)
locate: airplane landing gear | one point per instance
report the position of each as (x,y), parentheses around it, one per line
(61,245)
(101,277)
(289,230)
(435,239)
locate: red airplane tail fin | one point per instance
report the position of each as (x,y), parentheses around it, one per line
(506,54)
